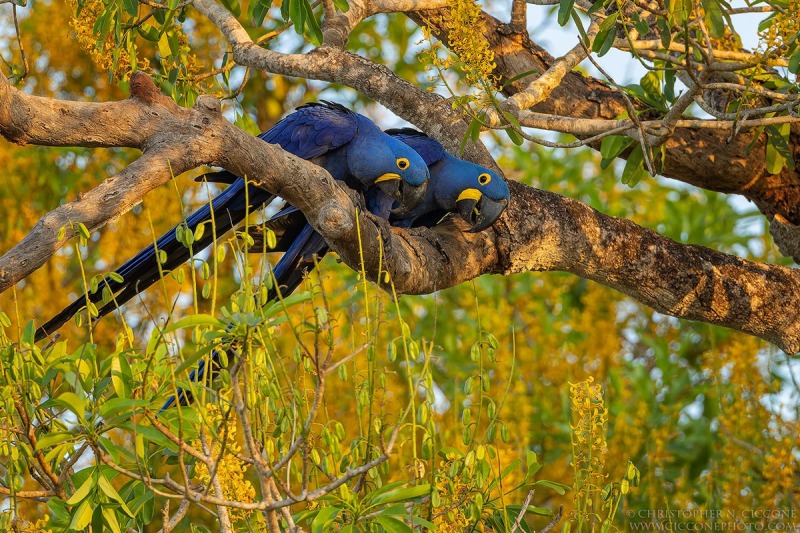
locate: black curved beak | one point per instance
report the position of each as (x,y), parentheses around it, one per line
(408,196)
(479,210)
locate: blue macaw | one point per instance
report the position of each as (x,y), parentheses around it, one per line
(478,194)
(348,145)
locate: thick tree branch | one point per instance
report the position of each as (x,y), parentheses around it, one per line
(710,158)
(685,281)
(428,111)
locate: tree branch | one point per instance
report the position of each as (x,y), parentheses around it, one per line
(428,111)
(709,158)
(679,280)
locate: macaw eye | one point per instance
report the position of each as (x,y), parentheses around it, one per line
(402,163)
(484,178)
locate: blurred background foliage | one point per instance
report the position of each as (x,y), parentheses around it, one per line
(708,416)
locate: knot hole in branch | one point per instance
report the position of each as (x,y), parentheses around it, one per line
(144,90)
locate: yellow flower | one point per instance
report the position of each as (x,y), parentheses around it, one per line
(230,471)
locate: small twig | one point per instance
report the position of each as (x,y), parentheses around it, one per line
(170,524)
(631,113)
(555,520)
(522,511)
(19,43)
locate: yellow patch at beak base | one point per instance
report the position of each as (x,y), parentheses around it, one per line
(389,176)
(469,194)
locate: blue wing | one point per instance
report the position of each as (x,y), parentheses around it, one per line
(314,129)
(309,132)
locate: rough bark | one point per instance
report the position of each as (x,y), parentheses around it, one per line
(540,230)
(711,159)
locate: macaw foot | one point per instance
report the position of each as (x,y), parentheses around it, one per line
(386,233)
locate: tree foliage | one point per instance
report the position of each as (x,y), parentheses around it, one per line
(509,402)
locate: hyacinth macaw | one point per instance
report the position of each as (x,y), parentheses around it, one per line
(348,145)
(478,194)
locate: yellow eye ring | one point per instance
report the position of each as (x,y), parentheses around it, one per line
(402,163)
(484,179)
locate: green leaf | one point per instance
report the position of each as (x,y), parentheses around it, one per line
(111,521)
(29,333)
(258,12)
(713,18)
(515,137)
(634,167)
(664,32)
(112,494)
(246,123)
(153,435)
(297,15)
(651,84)
(510,468)
(597,6)
(392,525)
(532,460)
(608,23)
(794,61)
(325,516)
(679,10)
(82,516)
(342,5)
(558,487)
(163,46)
(778,153)
(293,299)
(402,495)
(473,131)
(51,439)
(564,10)
(131,7)
(520,76)
(419,521)
(604,41)
(121,376)
(70,401)
(195,320)
(611,147)
(312,24)
(82,492)
(767,22)
(98,521)
(121,406)
(191,361)
(775,160)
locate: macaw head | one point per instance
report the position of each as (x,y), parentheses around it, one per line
(476,193)
(375,158)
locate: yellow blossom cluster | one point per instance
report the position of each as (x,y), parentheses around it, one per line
(589,445)
(781,469)
(229,469)
(40,526)
(102,53)
(464,27)
(588,432)
(783,30)
(453,498)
